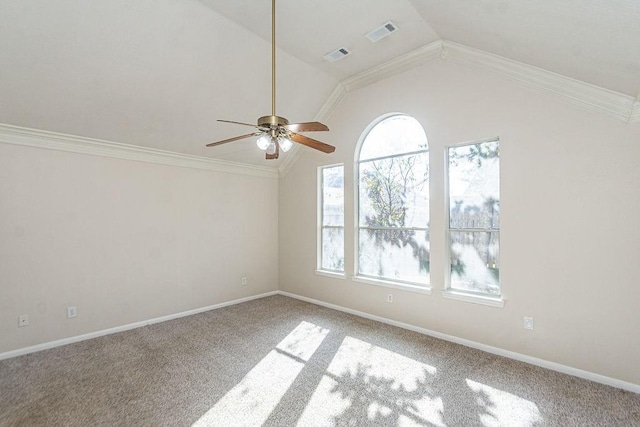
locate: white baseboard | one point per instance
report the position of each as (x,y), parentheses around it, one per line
(78,338)
(635,388)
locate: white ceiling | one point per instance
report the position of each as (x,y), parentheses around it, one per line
(158,73)
(596,41)
(309,29)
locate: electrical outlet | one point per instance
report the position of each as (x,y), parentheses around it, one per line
(23,320)
(71,312)
(389,297)
(244,281)
(528,323)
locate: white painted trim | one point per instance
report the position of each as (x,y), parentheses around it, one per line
(320,213)
(329,106)
(77,144)
(475,299)
(319,219)
(587,96)
(576,92)
(426,289)
(448,292)
(331,274)
(408,61)
(635,388)
(78,338)
(634,116)
(292,157)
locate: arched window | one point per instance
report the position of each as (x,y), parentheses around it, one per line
(392,166)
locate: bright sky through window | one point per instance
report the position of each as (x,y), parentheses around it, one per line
(393,202)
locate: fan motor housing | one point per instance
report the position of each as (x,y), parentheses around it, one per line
(272,121)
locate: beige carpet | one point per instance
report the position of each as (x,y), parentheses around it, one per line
(281,362)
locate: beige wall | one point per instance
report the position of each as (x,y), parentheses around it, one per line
(124,241)
(569,208)
(127,241)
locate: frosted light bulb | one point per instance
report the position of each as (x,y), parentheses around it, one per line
(285,143)
(263,142)
(271,149)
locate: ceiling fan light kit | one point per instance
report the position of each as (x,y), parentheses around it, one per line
(275,133)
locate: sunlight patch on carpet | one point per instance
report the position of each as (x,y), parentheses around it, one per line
(254,398)
(366,382)
(499,408)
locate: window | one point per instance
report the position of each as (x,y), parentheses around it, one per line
(331,237)
(392,234)
(474,218)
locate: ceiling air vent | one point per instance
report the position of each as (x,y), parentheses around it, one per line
(381,32)
(336,54)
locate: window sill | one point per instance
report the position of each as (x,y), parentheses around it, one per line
(332,274)
(475,299)
(395,285)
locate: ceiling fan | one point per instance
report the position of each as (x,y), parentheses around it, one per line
(275,133)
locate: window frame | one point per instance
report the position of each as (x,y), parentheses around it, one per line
(321,227)
(423,288)
(460,294)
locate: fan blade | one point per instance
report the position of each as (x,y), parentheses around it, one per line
(224,141)
(310,142)
(306,127)
(238,123)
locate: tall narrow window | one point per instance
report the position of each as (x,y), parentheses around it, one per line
(474,217)
(393,202)
(331,218)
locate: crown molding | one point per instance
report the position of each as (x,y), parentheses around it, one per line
(406,62)
(337,96)
(634,116)
(576,92)
(76,144)
(325,112)
(292,157)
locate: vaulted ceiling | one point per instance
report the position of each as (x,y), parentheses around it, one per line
(158,73)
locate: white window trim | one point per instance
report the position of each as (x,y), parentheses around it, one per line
(474,298)
(356,194)
(330,273)
(357,277)
(405,286)
(448,292)
(319,204)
